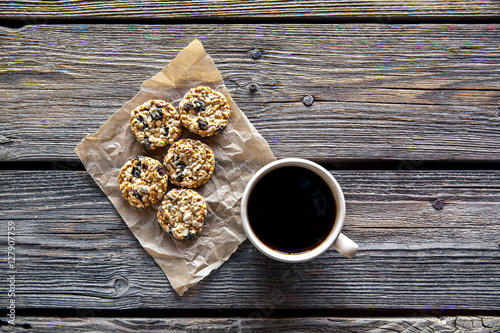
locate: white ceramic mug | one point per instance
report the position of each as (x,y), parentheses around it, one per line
(335,239)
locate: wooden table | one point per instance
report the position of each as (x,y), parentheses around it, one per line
(406,115)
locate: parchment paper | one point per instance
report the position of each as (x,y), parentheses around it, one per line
(239,152)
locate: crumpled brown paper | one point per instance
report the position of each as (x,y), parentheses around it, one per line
(239,152)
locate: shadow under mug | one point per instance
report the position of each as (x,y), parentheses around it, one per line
(335,238)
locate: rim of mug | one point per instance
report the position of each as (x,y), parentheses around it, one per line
(339,216)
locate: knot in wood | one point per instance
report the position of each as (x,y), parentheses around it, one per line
(121,286)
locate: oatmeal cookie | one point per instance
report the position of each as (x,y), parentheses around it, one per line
(182,213)
(143,181)
(155,124)
(189,163)
(204,111)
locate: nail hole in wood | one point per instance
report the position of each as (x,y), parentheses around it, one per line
(308,100)
(253,87)
(255,53)
(438,204)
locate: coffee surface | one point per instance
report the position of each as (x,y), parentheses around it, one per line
(291,209)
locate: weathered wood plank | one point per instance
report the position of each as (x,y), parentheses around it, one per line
(40,11)
(74,251)
(314,324)
(418,92)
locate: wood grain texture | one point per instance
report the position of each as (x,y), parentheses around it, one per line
(398,92)
(479,324)
(39,11)
(74,251)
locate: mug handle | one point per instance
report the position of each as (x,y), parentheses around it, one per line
(345,246)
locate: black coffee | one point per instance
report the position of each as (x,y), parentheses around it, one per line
(291,210)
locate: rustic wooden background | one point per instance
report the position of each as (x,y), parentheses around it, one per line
(406,115)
